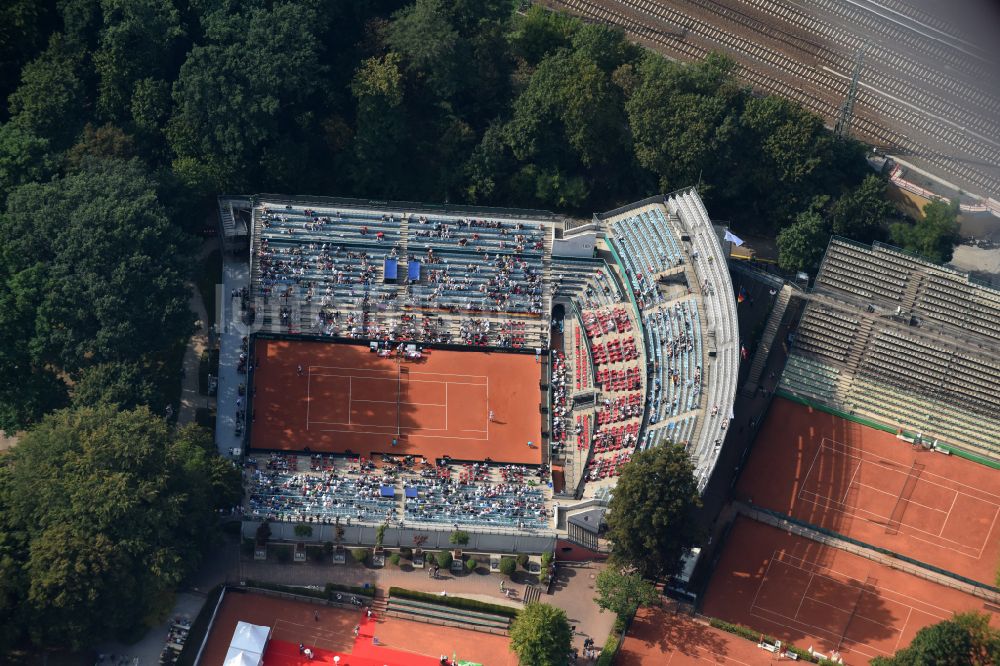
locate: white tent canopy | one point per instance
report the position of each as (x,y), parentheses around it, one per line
(237,657)
(247,646)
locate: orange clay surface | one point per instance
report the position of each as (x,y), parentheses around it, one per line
(801,591)
(871,486)
(657,636)
(400,642)
(349,399)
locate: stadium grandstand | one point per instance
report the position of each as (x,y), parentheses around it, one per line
(905,342)
(396,358)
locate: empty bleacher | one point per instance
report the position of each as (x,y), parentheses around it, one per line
(862,271)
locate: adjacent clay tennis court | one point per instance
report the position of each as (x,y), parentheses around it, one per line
(871,486)
(657,636)
(335,397)
(400,642)
(814,595)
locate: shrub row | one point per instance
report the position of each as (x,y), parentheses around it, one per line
(454,602)
(327,593)
(609,651)
(755,636)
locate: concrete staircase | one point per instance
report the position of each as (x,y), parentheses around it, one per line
(763,350)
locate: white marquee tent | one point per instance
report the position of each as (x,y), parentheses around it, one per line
(248,644)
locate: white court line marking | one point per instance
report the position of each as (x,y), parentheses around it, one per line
(350,399)
(789,623)
(393,371)
(805,593)
(396,402)
(391,429)
(411,381)
(446,405)
(858,513)
(896,494)
(851,482)
(946,612)
(308,396)
(923,476)
(767,570)
(947,516)
(488,415)
(902,629)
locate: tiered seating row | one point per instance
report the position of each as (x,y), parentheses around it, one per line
(861,271)
(676,353)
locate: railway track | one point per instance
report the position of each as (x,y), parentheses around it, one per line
(821,71)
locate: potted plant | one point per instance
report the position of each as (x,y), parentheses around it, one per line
(418,550)
(339,554)
(378,553)
(260,544)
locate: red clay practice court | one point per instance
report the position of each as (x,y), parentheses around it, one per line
(869,485)
(657,636)
(348,398)
(400,642)
(814,595)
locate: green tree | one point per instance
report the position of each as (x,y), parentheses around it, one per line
(539,32)
(422,34)
(250,86)
(933,237)
(623,592)
(651,515)
(861,213)
(24,26)
(965,640)
(140,39)
(98,266)
(105,142)
(123,385)
(51,100)
(459,538)
(801,245)
(112,509)
(303,530)
(24,157)
(540,635)
(683,117)
(508,565)
(381,137)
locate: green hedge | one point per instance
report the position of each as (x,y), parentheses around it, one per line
(327,593)
(609,651)
(454,602)
(755,636)
(199,628)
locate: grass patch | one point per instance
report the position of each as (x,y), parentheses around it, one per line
(199,628)
(454,602)
(208,276)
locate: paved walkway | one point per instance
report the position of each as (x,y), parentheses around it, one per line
(573,590)
(235,275)
(191,396)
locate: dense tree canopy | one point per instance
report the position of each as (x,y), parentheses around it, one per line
(102,513)
(540,635)
(623,592)
(965,640)
(934,236)
(95,272)
(651,515)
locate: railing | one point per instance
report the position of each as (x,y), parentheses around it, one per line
(409,206)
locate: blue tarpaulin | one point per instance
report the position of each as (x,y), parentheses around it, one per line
(390,269)
(411,492)
(388,491)
(414,271)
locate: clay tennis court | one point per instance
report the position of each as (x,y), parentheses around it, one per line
(871,486)
(814,595)
(400,642)
(657,636)
(347,398)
